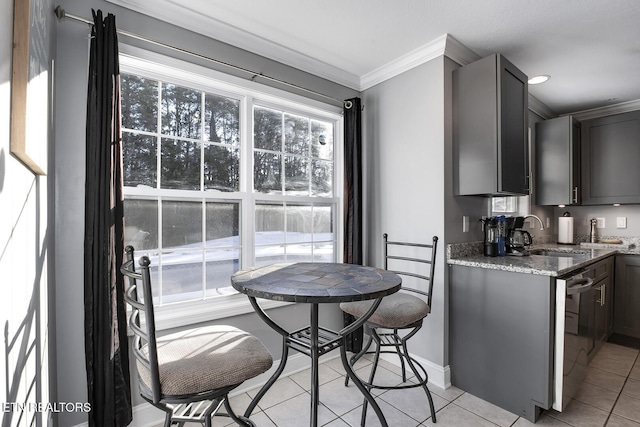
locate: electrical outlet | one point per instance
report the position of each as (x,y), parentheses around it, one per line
(465,224)
(600,223)
(621,222)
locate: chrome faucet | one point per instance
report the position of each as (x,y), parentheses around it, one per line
(536,217)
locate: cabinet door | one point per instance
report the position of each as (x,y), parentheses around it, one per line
(513,174)
(608,295)
(557,153)
(610,159)
(490,146)
(626,312)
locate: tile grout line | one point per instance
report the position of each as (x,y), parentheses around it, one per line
(620,393)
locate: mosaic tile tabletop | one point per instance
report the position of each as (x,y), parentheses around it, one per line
(316,282)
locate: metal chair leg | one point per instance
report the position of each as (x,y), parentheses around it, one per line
(363,389)
(240,420)
(395,338)
(372,374)
(420,380)
(354,359)
(271,381)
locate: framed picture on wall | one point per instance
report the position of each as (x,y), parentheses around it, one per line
(30,84)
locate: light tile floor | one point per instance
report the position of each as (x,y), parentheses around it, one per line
(610,396)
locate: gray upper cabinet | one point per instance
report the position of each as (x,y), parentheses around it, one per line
(557,153)
(490,147)
(610,159)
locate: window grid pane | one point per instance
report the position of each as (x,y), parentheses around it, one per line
(182,151)
(294,233)
(297,145)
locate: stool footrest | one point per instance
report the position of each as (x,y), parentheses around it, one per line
(195,411)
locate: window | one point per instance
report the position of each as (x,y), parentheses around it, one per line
(221,176)
(502,205)
(510,205)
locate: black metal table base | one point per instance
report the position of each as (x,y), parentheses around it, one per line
(314,341)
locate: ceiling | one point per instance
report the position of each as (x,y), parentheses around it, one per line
(590,48)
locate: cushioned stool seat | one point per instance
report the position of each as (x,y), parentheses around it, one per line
(395,311)
(182,356)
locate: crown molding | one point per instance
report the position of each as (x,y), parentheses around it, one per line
(458,52)
(183,16)
(537,107)
(416,57)
(623,107)
(445,45)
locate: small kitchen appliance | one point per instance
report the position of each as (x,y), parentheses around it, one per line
(490,229)
(499,232)
(517,239)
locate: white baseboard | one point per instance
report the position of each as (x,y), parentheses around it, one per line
(439,376)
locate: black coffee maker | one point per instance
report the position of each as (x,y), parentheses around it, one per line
(490,228)
(517,239)
(495,234)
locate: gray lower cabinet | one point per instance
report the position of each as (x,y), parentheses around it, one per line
(626,306)
(490,145)
(604,313)
(557,153)
(602,273)
(610,157)
(501,337)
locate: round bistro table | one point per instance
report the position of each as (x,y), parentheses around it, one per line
(316,283)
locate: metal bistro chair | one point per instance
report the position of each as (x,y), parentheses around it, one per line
(188,374)
(400,311)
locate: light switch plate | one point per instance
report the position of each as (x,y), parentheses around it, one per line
(465,224)
(600,223)
(621,222)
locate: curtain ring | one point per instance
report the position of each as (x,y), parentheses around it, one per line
(348,104)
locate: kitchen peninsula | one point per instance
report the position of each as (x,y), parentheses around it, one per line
(509,332)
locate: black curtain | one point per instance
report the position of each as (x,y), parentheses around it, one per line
(106,348)
(352,251)
(353,182)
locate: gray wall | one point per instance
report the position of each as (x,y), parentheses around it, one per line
(404,132)
(71,72)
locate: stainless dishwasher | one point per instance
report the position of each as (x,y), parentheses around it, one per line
(575,313)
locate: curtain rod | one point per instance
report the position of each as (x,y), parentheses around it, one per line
(61,14)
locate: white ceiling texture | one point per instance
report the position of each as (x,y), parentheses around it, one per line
(590,48)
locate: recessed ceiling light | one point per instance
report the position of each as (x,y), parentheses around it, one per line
(539,79)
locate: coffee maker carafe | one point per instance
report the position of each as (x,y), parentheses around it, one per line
(517,239)
(490,228)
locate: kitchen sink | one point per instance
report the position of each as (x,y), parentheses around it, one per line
(556,252)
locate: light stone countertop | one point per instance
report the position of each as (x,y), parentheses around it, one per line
(556,264)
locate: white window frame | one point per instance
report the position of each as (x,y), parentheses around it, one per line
(141,62)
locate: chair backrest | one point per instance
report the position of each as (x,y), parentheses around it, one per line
(412,265)
(142,307)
